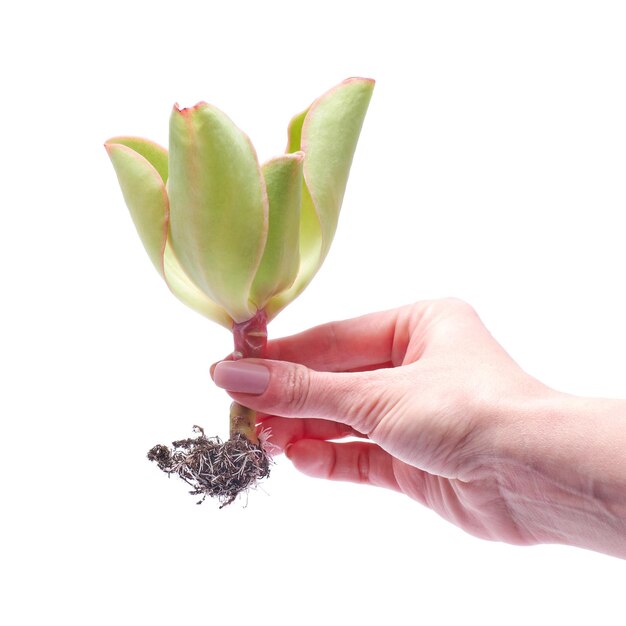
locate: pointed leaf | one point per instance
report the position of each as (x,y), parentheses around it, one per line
(218,204)
(310,247)
(310,227)
(155,154)
(327,133)
(281,257)
(146,198)
(329,137)
(294,132)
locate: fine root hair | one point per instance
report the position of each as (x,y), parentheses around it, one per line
(212,467)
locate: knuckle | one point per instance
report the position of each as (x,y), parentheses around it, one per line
(458,305)
(363,466)
(371,403)
(331,468)
(297,389)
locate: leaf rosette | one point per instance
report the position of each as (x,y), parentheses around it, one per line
(229,236)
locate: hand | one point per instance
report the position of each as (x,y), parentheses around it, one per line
(448,417)
(426,401)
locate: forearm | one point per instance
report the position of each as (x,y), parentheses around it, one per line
(562,471)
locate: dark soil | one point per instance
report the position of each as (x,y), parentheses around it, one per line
(212,467)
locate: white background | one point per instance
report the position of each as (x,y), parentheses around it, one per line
(491,167)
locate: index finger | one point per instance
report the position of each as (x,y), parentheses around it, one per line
(363,342)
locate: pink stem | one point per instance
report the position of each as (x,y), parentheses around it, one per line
(251,337)
(250,342)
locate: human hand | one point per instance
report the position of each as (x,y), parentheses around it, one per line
(426,401)
(448,418)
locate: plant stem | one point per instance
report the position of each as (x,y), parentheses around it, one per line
(250,342)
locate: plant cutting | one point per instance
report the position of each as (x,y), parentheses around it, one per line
(237,241)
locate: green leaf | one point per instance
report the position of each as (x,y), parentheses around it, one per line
(155,154)
(146,198)
(144,192)
(294,132)
(281,257)
(188,293)
(218,206)
(327,133)
(329,137)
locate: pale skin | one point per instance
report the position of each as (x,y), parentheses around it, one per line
(445,416)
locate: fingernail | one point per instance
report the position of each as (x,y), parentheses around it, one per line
(241,377)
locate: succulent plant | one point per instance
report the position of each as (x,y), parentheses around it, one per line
(235,240)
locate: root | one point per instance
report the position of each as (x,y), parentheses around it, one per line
(214,468)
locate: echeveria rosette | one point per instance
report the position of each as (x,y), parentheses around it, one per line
(230,237)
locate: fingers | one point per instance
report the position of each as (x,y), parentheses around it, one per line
(292,390)
(357,462)
(360,343)
(284,431)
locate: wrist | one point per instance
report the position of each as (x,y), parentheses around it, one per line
(562,469)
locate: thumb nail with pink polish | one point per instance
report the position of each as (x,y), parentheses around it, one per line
(241,377)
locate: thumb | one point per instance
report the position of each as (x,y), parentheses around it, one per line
(291,390)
